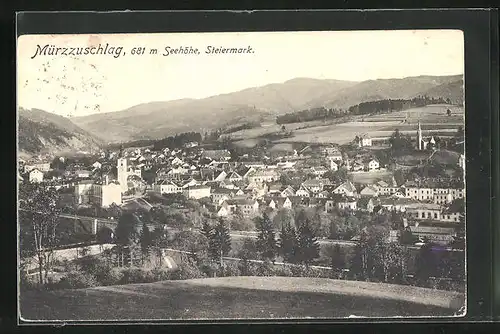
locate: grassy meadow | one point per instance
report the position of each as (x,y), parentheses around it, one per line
(239,298)
(434,121)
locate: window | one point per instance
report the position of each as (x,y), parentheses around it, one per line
(435,215)
(423,214)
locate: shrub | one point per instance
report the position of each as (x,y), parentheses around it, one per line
(209,268)
(112,276)
(230,269)
(285,271)
(76,280)
(187,270)
(136,275)
(247,268)
(161,274)
(265,269)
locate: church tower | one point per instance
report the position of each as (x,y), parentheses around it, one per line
(419,137)
(122,173)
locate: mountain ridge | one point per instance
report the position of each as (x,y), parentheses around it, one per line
(43,132)
(158,119)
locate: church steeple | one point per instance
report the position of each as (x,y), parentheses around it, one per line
(419,137)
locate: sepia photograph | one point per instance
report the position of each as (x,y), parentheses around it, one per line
(241,175)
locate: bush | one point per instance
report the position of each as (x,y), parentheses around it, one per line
(265,269)
(284,271)
(161,274)
(136,275)
(230,269)
(76,280)
(247,268)
(187,270)
(209,268)
(112,276)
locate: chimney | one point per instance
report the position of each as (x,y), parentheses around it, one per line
(405,222)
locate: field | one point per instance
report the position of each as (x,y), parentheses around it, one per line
(239,297)
(433,119)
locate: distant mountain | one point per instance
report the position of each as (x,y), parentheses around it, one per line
(451,90)
(372,90)
(159,119)
(43,132)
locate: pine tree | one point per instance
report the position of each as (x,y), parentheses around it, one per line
(307,244)
(266,239)
(206,230)
(288,243)
(220,244)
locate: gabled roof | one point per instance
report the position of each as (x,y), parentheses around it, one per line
(234,175)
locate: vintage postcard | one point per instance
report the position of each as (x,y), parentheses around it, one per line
(259,175)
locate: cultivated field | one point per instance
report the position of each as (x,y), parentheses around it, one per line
(239,297)
(433,119)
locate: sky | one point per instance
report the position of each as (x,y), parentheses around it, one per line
(71,85)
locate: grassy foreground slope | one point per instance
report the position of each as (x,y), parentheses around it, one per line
(239,297)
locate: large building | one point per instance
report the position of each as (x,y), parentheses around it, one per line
(102,194)
(196,192)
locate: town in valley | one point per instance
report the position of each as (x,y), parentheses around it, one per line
(275,184)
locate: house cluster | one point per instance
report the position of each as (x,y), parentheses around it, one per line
(251,184)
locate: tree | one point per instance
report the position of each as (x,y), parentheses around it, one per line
(307,245)
(145,240)
(339,176)
(126,236)
(288,243)
(425,264)
(220,243)
(247,252)
(159,240)
(38,220)
(337,258)
(266,239)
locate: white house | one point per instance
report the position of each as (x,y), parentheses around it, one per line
(266,175)
(303,192)
(334,165)
(167,187)
(373,164)
(347,203)
(197,192)
(35,176)
(288,191)
(364,141)
(97,165)
(247,207)
(233,177)
(347,188)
